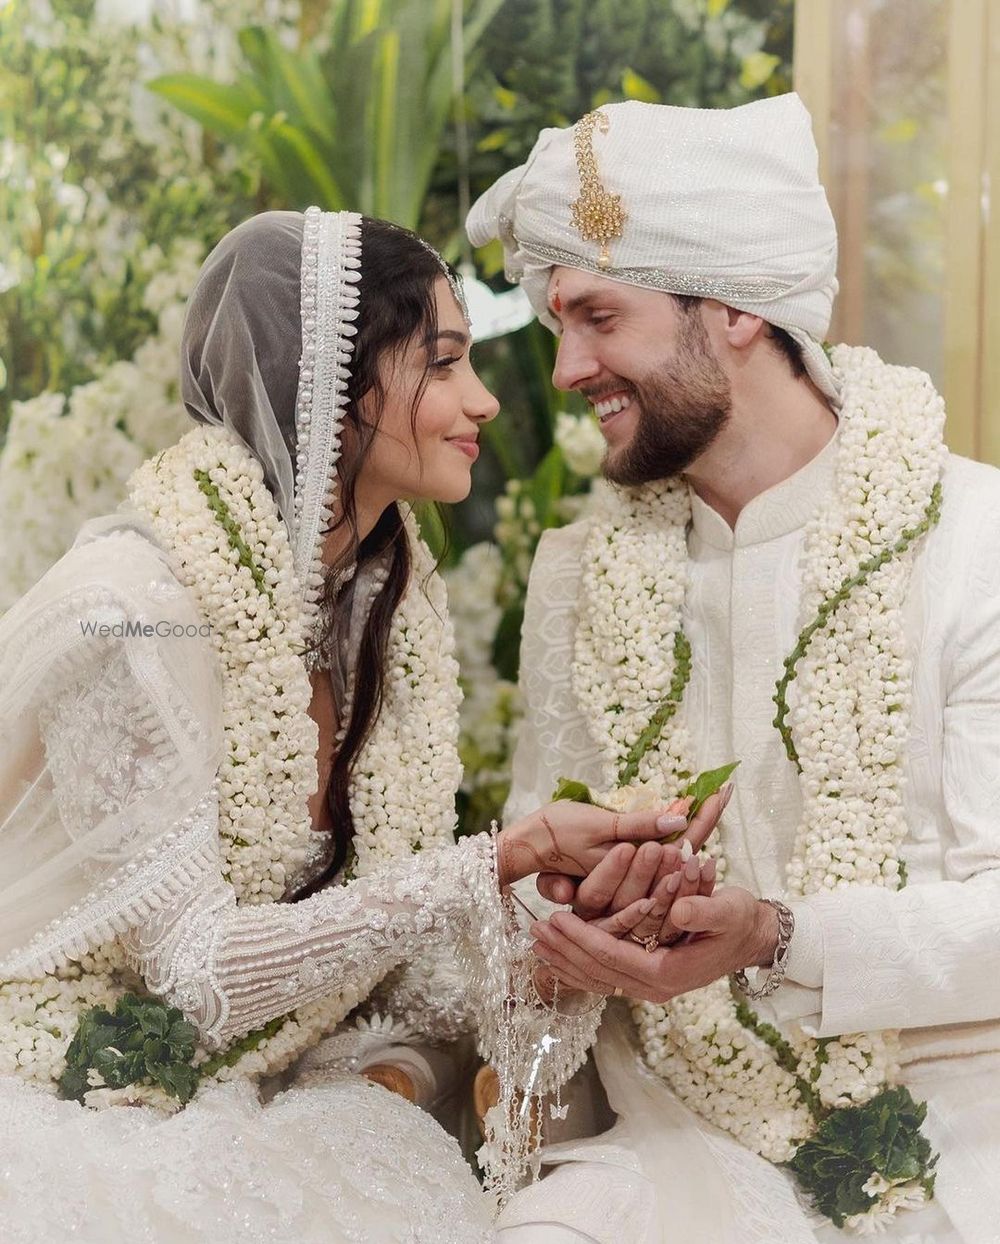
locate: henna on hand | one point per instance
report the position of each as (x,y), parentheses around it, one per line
(557,856)
(516,859)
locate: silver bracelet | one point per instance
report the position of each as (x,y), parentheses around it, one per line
(779,965)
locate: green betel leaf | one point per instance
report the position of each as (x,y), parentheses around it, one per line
(578,792)
(706,784)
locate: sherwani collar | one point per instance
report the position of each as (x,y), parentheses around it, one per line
(778,511)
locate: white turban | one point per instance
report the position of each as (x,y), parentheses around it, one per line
(718,203)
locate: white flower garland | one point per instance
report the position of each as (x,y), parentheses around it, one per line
(847,735)
(208,504)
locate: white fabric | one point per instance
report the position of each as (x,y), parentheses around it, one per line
(69,882)
(327,1161)
(721,203)
(336,1161)
(927,958)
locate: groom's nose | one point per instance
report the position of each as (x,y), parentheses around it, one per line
(575,361)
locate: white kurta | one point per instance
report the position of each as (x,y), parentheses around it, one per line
(925,959)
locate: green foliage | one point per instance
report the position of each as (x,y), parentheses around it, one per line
(355,126)
(234,535)
(230,1056)
(706,784)
(550,61)
(786,1057)
(90,208)
(832,603)
(578,792)
(144,1041)
(666,710)
(141,1041)
(850,1145)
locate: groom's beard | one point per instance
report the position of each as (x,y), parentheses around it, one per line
(682,409)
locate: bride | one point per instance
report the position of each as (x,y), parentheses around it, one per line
(227,773)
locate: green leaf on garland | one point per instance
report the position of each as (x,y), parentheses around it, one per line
(852,1144)
(141,1041)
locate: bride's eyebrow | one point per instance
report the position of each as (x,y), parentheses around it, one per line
(447,334)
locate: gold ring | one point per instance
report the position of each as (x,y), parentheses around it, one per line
(650,943)
(618,991)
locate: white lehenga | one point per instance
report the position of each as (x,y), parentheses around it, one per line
(337,1159)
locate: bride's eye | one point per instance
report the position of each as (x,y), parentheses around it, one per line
(446,360)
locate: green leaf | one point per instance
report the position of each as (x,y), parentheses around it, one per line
(507,641)
(757,69)
(635,86)
(706,784)
(547,484)
(578,792)
(432,528)
(295,79)
(495,140)
(850,1144)
(221,108)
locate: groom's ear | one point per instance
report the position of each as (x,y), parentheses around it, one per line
(728,327)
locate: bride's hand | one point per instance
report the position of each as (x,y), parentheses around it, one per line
(597,894)
(572,838)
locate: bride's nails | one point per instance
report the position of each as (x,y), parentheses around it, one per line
(673,882)
(727,794)
(692,869)
(670,824)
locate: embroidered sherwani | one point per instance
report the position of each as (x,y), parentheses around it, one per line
(925,960)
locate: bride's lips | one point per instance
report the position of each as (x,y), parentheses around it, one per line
(468,445)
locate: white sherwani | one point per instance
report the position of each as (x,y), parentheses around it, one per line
(925,959)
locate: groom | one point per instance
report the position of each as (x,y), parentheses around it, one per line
(792,573)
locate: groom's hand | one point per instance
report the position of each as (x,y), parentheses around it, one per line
(733,930)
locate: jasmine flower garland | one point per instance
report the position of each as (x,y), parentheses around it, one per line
(790,1097)
(208,505)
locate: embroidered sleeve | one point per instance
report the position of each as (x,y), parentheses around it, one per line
(428,995)
(231,969)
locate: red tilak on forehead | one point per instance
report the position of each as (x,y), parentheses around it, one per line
(556,301)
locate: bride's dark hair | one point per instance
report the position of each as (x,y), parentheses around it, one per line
(397,305)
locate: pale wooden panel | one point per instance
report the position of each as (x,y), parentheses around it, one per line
(989,394)
(812,57)
(964,238)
